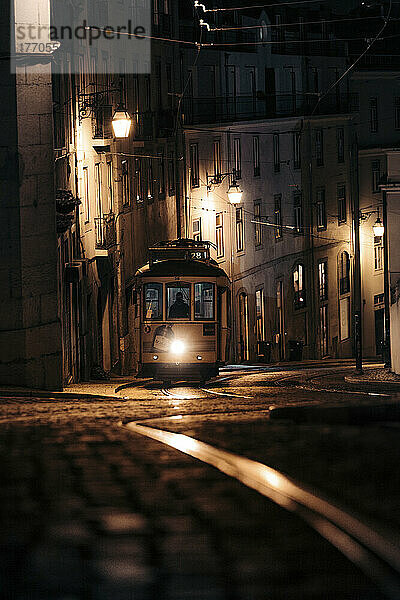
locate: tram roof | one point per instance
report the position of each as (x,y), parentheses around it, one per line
(164,268)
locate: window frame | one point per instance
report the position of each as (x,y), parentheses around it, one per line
(219,234)
(161,317)
(212,318)
(323,280)
(256,156)
(296,150)
(298,212)
(278,216)
(344,273)
(340,144)
(257,226)
(194,165)
(321,203)
(197,235)
(378,254)
(239,229)
(373,114)
(319,147)
(178,284)
(376,175)
(237,157)
(259,329)
(341,203)
(276,153)
(299,294)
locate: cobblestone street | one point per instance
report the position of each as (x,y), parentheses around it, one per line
(91,511)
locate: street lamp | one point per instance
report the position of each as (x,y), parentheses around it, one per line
(378,228)
(235,194)
(121,123)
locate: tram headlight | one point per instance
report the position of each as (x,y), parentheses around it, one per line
(177,347)
(199,357)
(155,357)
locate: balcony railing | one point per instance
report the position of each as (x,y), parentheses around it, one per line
(105,229)
(264,106)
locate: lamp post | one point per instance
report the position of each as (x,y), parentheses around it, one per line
(386,287)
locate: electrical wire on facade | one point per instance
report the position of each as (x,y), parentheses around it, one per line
(255,6)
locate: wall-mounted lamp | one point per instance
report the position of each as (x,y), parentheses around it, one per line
(234,192)
(121,122)
(378,227)
(90,103)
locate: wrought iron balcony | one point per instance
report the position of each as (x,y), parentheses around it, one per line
(106,236)
(206,110)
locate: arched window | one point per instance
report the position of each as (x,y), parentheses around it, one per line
(299,287)
(344,273)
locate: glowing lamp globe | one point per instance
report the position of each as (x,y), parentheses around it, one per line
(235,194)
(378,228)
(121,123)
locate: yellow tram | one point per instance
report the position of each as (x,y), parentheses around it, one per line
(183,311)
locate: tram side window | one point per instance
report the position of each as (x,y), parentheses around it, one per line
(178,300)
(153,301)
(204,301)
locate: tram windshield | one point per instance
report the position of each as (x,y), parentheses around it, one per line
(153,301)
(178,300)
(204,301)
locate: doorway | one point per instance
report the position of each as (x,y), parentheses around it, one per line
(379,330)
(243,327)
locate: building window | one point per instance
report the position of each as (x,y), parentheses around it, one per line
(378,253)
(161,177)
(97,181)
(110,187)
(296,150)
(319,147)
(341,203)
(194,165)
(373,115)
(125,182)
(256,156)
(237,158)
(197,230)
(298,287)
(219,234)
(155,12)
(321,209)
(260,315)
(397,112)
(298,212)
(86,197)
(277,162)
(217,161)
(138,183)
(376,175)
(239,230)
(171,176)
(150,181)
(278,216)
(340,144)
(322,281)
(344,273)
(257,225)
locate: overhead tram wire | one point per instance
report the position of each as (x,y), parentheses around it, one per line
(255,6)
(351,67)
(294,24)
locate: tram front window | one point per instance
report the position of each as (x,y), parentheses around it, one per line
(178,301)
(153,301)
(204,301)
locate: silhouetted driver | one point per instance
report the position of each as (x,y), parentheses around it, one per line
(179,309)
